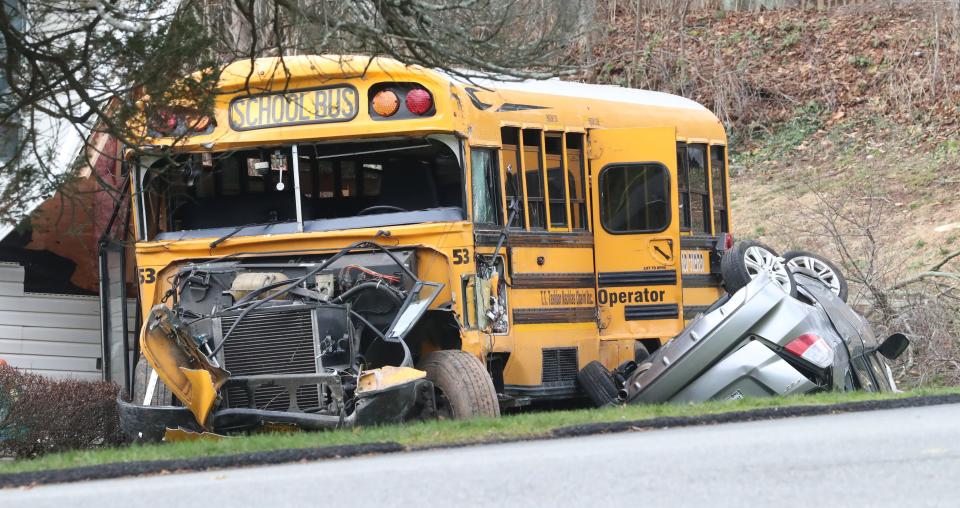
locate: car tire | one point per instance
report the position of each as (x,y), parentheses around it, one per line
(816,266)
(640,352)
(162,396)
(463,387)
(598,382)
(746,260)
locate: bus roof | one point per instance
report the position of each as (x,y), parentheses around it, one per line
(502,101)
(612,93)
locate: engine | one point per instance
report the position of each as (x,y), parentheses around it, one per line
(271,324)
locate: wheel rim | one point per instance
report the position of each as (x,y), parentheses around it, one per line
(818,269)
(759,260)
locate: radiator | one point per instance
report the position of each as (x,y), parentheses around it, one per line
(273,340)
(560,366)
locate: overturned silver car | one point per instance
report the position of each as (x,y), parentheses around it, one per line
(766,339)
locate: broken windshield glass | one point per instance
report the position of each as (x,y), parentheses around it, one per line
(336,181)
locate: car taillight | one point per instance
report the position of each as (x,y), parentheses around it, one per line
(419,101)
(386,103)
(811,348)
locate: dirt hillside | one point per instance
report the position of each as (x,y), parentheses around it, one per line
(845,140)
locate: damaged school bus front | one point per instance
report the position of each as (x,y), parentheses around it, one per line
(313,344)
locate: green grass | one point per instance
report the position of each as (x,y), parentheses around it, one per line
(523,425)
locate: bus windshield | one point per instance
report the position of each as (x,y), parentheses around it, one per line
(342,186)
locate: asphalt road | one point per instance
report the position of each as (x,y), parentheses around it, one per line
(903,457)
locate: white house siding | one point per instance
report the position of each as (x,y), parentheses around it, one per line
(53,335)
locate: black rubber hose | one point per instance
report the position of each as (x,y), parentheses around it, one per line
(379,286)
(296,282)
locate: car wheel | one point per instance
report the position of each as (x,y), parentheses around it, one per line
(748,259)
(815,266)
(640,352)
(598,382)
(463,387)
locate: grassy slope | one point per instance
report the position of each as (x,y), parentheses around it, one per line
(852,105)
(524,425)
(779,185)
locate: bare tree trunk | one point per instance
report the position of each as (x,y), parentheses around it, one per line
(585,27)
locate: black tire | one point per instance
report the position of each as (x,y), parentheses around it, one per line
(162,396)
(597,381)
(640,352)
(737,271)
(464,388)
(839,285)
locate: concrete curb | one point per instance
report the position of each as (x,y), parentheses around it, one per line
(122,469)
(772,413)
(125,469)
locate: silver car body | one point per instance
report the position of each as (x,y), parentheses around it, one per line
(737,349)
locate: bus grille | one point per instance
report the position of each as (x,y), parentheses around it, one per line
(271,341)
(560,366)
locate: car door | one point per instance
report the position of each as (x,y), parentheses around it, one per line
(636,232)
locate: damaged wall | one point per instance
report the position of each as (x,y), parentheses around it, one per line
(57,243)
(53,335)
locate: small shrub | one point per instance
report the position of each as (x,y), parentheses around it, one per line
(39,415)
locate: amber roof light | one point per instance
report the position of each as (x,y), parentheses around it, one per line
(386,103)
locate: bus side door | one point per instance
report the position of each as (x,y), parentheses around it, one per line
(636,235)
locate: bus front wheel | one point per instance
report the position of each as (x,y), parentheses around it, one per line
(464,389)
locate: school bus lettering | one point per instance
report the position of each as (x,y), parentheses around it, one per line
(147,275)
(566,297)
(323,105)
(612,298)
(461,256)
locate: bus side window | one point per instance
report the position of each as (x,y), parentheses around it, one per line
(556,187)
(577,181)
(348,179)
(326,179)
(692,182)
(683,187)
(718,168)
(371,180)
(485,186)
(510,141)
(533,173)
(698,180)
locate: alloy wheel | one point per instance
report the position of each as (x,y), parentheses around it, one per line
(759,260)
(816,268)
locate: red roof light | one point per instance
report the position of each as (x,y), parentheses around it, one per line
(419,101)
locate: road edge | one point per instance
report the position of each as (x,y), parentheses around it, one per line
(770,413)
(286,456)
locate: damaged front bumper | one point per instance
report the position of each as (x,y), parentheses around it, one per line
(383,396)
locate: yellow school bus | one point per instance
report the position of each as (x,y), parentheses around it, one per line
(353,241)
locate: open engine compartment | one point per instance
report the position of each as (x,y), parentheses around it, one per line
(306,340)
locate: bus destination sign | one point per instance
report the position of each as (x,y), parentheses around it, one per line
(295,107)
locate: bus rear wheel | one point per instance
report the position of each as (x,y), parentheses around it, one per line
(464,389)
